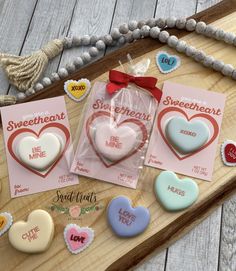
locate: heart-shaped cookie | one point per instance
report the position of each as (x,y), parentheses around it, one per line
(186,136)
(77,238)
(33,236)
(77,90)
(5,222)
(228,153)
(39,153)
(114,143)
(125,220)
(175,194)
(98,118)
(167,63)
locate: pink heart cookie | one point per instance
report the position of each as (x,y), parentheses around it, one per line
(77,239)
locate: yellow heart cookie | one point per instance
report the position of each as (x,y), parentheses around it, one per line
(35,235)
(77,90)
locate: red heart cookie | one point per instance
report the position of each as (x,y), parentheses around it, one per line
(14,136)
(202,115)
(107,117)
(228,153)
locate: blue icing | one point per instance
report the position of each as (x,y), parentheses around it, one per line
(165,62)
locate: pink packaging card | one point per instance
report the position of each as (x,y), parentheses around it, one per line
(191,104)
(34,119)
(130,107)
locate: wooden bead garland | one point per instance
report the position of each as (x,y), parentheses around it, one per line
(127,33)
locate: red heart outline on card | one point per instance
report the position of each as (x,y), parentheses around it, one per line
(23,130)
(109,115)
(202,115)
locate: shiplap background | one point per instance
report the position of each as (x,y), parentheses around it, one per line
(26,25)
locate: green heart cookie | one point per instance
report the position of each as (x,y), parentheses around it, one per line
(175,194)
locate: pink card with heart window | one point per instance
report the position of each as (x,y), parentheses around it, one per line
(38,146)
(114,136)
(186,130)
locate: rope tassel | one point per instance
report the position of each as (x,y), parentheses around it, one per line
(24,71)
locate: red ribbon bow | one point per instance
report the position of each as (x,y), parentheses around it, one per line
(120,80)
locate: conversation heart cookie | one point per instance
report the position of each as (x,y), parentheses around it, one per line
(186,136)
(78,238)
(125,220)
(167,63)
(175,194)
(228,153)
(33,236)
(39,153)
(5,222)
(114,143)
(77,90)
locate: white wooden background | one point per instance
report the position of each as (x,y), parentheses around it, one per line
(26,25)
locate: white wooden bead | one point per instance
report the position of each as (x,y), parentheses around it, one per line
(38,87)
(30,92)
(132,25)
(219,34)
(63,73)
(181,46)
(234,74)
(85,40)
(229,37)
(21,96)
(121,40)
(161,22)
(70,67)
(180,23)
(108,39)
(54,77)
(200,27)
(100,45)
(78,62)
(93,39)
(199,56)
(124,29)
(93,51)
(129,37)
(145,31)
(163,36)
(154,32)
(86,57)
(115,33)
(67,42)
(46,81)
(227,70)
(191,24)
(142,23)
(76,41)
(172,41)
(170,22)
(136,34)
(208,61)
(210,31)
(190,51)
(151,22)
(218,65)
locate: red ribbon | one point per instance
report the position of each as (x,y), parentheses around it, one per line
(120,80)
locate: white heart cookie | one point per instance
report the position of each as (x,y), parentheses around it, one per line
(33,236)
(39,153)
(114,143)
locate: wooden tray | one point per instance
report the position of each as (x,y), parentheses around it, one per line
(107,251)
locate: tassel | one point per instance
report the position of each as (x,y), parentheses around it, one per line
(24,71)
(7,100)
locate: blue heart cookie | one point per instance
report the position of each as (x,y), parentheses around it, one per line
(125,220)
(167,63)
